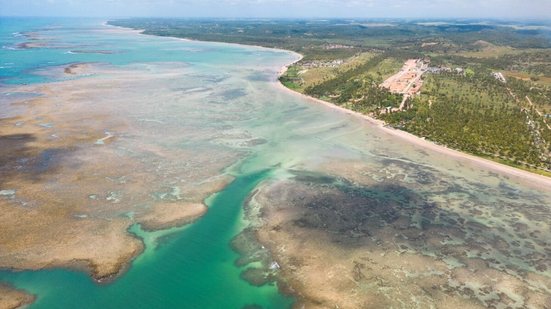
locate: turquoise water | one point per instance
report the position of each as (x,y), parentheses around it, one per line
(193,268)
(190,267)
(76,40)
(193,104)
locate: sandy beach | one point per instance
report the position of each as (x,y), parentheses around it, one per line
(110,148)
(535,179)
(337,250)
(524,176)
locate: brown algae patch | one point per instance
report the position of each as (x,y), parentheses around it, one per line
(76,197)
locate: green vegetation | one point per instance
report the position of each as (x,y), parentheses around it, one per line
(291,78)
(345,62)
(358,88)
(478,115)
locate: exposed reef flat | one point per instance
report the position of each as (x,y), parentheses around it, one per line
(76,197)
(349,236)
(171,214)
(349,214)
(11,298)
(175,213)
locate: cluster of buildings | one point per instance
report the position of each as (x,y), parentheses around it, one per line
(322,64)
(443,69)
(337,46)
(499,76)
(408,81)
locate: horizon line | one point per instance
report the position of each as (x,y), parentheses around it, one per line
(542,19)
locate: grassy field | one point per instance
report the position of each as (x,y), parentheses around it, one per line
(536,79)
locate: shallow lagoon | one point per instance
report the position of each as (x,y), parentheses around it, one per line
(192,104)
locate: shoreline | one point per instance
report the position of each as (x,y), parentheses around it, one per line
(141,32)
(294,288)
(520,174)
